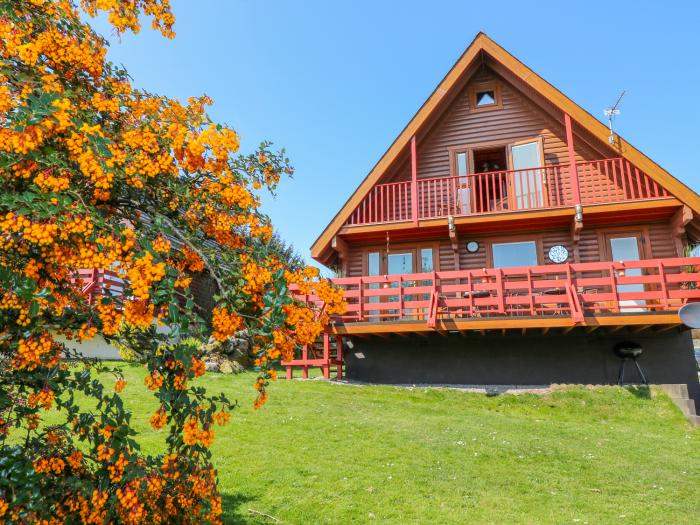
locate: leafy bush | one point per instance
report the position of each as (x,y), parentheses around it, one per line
(97,174)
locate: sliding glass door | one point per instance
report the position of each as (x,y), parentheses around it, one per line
(527,180)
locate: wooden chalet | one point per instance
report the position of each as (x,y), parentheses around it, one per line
(506,238)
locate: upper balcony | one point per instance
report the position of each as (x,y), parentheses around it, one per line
(604,181)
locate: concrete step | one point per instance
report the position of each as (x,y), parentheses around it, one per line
(686,405)
(675,390)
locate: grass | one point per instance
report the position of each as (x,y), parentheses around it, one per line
(321,452)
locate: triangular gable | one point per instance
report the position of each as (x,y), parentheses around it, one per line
(482,43)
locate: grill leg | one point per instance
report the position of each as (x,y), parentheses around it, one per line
(641,374)
(621,375)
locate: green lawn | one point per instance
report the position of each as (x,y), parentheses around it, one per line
(320,452)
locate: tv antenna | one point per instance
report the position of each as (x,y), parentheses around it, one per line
(611,113)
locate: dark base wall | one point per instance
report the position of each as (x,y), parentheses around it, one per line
(521,359)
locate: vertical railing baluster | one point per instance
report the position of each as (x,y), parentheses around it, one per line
(630,180)
(640,194)
(622,178)
(608,184)
(646,182)
(455,196)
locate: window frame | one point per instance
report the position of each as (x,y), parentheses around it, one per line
(491,85)
(512,240)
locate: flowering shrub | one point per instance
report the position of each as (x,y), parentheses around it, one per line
(98,174)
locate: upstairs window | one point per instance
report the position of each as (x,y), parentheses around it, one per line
(485,96)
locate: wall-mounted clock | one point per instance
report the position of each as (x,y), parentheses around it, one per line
(472,246)
(558,254)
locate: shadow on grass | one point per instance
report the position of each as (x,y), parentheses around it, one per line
(236,510)
(640,391)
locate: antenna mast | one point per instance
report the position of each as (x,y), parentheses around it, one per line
(611,113)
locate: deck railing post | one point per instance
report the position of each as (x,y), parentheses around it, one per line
(414,182)
(326,356)
(305,361)
(500,292)
(360,299)
(664,288)
(339,356)
(400,297)
(573,171)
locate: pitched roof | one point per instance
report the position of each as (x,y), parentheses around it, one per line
(483,44)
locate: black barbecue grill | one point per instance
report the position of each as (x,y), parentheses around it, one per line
(627,351)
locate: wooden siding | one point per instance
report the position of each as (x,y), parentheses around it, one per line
(519,119)
(658,236)
(661,241)
(356,263)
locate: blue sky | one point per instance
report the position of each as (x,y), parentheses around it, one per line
(335,82)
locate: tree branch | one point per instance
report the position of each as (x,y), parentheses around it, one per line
(201,255)
(205,259)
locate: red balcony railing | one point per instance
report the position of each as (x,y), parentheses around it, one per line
(600,181)
(561,290)
(564,290)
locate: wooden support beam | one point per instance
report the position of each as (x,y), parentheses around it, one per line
(678,223)
(568,329)
(414,182)
(443,333)
(642,328)
(617,328)
(341,247)
(503,331)
(665,328)
(576,227)
(545,330)
(454,240)
(573,172)
(591,329)
(339,356)
(522,332)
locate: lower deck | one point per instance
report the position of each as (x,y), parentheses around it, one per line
(553,324)
(615,294)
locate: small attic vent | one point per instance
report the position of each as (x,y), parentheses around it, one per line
(485,96)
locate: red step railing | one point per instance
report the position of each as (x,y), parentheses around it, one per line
(569,290)
(600,181)
(98,282)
